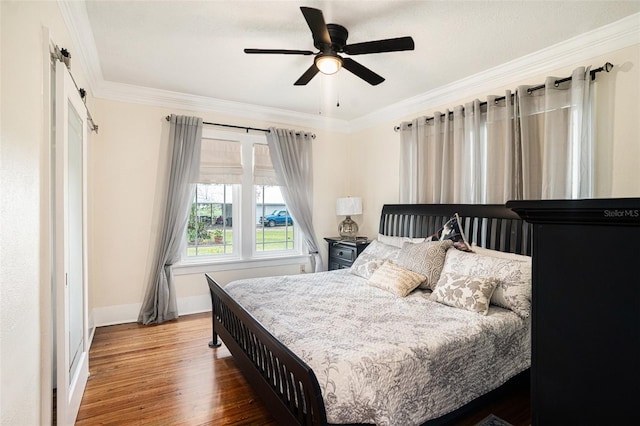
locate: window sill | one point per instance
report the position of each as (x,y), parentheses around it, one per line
(198,267)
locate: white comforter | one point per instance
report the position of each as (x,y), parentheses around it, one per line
(384,359)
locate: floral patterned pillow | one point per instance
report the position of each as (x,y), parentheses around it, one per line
(514,277)
(425,258)
(466,292)
(372,258)
(395,279)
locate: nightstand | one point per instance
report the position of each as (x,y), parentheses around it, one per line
(342,253)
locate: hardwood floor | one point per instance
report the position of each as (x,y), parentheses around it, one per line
(167,375)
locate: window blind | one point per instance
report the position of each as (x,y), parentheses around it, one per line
(263,171)
(220,161)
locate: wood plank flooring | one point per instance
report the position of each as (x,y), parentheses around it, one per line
(167,375)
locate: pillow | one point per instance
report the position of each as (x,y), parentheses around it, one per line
(466,292)
(398,241)
(514,277)
(425,258)
(452,230)
(372,257)
(395,279)
(500,254)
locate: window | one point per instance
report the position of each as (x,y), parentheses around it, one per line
(238,212)
(275,226)
(210,226)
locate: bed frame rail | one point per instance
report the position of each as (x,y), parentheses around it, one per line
(288,386)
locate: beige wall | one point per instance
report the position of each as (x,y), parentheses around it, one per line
(617,133)
(129,167)
(618,126)
(25,314)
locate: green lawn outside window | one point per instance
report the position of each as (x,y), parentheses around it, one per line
(267,239)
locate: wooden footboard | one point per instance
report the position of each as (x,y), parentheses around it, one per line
(288,386)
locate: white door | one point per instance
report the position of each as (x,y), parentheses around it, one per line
(72,346)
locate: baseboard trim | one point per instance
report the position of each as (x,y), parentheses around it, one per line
(122,314)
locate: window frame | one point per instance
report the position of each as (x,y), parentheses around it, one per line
(243,217)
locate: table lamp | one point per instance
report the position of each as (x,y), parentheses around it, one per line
(348,206)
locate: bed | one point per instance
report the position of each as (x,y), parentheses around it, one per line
(342,347)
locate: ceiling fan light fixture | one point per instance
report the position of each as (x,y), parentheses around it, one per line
(328,63)
(330,39)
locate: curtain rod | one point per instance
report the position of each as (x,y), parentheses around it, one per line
(233,126)
(606,67)
(64,56)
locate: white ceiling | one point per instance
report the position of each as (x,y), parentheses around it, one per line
(194,49)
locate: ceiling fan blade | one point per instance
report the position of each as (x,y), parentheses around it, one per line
(316,23)
(307,76)
(279,51)
(361,71)
(380,46)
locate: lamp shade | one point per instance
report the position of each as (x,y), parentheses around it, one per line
(348,206)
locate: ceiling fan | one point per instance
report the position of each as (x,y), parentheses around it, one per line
(331,39)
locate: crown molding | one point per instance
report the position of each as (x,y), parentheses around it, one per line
(74,14)
(617,35)
(609,38)
(176,100)
(76,19)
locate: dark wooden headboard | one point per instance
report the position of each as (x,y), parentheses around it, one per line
(492,226)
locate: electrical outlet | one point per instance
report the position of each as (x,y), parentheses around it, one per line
(303,269)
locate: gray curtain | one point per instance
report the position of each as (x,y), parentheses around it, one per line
(557,138)
(460,156)
(534,145)
(291,156)
(159,304)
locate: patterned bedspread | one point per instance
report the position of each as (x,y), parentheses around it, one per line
(384,359)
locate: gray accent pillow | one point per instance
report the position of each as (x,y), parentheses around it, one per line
(426,259)
(372,258)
